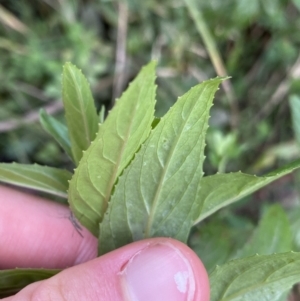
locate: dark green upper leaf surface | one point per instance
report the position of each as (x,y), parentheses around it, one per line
(155,196)
(81,115)
(57,130)
(124,130)
(261,277)
(220,190)
(42,178)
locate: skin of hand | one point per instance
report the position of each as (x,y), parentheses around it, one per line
(38,233)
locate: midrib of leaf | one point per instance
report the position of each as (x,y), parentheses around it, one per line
(117,165)
(258,286)
(156,197)
(118,139)
(191,208)
(87,135)
(159,188)
(26,176)
(38,182)
(45,189)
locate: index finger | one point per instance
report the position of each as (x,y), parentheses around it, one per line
(37,233)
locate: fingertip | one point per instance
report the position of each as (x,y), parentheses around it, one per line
(202,286)
(41,235)
(165,270)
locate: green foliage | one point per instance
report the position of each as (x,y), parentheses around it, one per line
(218,191)
(295,110)
(57,130)
(41,178)
(222,148)
(217,239)
(80,110)
(251,38)
(142,177)
(261,277)
(295,227)
(12,281)
(118,139)
(259,48)
(273,235)
(157,195)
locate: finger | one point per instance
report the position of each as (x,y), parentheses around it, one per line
(39,233)
(157,269)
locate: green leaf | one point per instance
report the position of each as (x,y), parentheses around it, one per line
(296,3)
(102,114)
(118,139)
(284,296)
(294,219)
(42,178)
(261,277)
(57,130)
(211,246)
(218,239)
(81,115)
(273,235)
(295,110)
(12,281)
(221,190)
(155,196)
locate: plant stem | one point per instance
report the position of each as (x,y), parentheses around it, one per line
(215,57)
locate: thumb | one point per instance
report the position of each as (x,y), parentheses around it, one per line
(157,269)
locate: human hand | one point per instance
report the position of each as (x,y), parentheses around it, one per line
(38,233)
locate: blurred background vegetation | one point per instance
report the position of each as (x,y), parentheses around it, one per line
(256,43)
(255,119)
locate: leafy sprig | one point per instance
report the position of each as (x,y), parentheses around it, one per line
(138,176)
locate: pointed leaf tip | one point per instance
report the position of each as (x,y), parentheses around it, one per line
(156,194)
(80,111)
(220,190)
(127,126)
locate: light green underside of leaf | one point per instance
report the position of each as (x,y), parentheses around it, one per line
(155,196)
(273,235)
(220,190)
(57,130)
(261,277)
(118,139)
(37,177)
(81,115)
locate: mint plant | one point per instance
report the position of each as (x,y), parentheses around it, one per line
(137,176)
